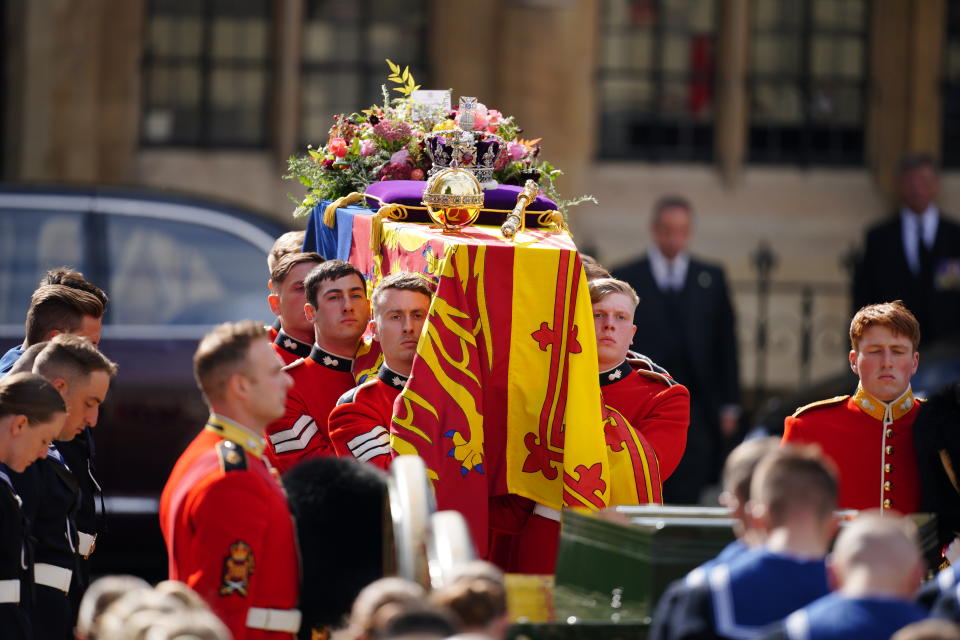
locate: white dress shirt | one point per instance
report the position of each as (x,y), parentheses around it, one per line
(908,225)
(668,274)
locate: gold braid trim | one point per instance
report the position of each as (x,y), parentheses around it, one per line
(330,213)
(555,219)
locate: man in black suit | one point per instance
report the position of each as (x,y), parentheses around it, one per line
(914,256)
(685,323)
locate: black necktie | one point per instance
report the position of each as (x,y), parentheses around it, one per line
(924,253)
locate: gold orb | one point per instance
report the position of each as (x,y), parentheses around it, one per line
(453,198)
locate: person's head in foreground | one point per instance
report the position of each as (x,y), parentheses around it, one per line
(477,595)
(877,555)
(81,374)
(379,602)
(240,375)
(32,414)
(793,494)
(737,474)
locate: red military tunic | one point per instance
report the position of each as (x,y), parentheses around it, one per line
(653,404)
(288,348)
(318,381)
(360,423)
(229,533)
(871,443)
(642,411)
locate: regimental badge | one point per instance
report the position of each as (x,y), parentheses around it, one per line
(237,569)
(232,457)
(330,362)
(289,344)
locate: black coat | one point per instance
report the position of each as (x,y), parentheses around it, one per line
(14,564)
(936,437)
(883,275)
(706,331)
(51,497)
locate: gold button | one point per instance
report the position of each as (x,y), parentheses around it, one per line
(887,485)
(889,433)
(887,468)
(889,450)
(887,504)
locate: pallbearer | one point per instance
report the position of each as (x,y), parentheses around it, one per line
(645,419)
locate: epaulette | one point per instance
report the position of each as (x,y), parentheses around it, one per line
(351,395)
(654,375)
(232,456)
(295,363)
(641,362)
(829,402)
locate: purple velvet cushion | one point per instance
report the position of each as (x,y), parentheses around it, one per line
(410,192)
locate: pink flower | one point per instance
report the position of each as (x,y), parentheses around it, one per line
(516,150)
(367,147)
(338,147)
(400,157)
(417,174)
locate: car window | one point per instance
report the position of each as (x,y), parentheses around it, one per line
(32,242)
(171,272)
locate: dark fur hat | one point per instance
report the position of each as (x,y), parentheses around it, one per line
(338,504)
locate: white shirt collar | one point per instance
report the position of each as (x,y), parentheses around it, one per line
(668,274)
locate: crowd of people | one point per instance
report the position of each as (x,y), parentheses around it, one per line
(272,516)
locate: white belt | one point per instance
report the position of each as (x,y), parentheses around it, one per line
(274,619)
(544,511)
(50,575)
(9,591)
(86,543)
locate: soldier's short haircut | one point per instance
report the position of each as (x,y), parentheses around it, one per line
(912,161)
(71,358)
(893,315)
(592,269)
(742,462)
(30,395)
(795,478)
(286,264)
(289,242)
(71,278)
(57,307)
(329,270)
(670,201)
(404,281)
(224,352)
(602,287)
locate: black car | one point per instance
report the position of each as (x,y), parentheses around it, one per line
(173,266)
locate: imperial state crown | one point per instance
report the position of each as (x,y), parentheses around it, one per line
(464,147)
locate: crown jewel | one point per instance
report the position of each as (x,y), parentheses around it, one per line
(465,148)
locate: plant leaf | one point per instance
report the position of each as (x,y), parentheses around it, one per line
(393,67)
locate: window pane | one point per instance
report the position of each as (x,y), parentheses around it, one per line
(807,81)
(344,47)
(165,272)
(776,54)
(656,78)
(201,56)
(627,50)
(31,243)
(842,14)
